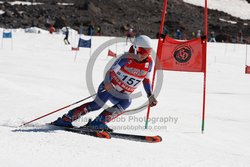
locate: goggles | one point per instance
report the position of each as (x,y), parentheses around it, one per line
(144,51)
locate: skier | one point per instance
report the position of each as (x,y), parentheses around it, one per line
(66,41)
(121,80)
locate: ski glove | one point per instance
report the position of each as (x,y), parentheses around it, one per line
(108,86)
(152,101)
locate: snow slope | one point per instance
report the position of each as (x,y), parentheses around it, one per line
(236,8)
(39,75)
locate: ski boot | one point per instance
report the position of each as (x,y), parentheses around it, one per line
(64,122)
(99,123)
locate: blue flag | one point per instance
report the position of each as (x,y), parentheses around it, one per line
(7,35)
(84,43)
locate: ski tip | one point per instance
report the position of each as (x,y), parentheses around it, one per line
(153,139)
(103,134)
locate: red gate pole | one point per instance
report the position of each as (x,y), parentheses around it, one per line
(164,11)
(205,68)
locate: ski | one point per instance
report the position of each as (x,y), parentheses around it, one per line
(84,131)
(124,136)
(108,135)
(139,138)
(90,132)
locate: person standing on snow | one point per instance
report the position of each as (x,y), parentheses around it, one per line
(198,34)
(130,34)
(121,80)
(52,29)
(178,34)
(91,30)
(98,30)
(212,37)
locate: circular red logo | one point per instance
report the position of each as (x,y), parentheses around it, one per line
(183,54)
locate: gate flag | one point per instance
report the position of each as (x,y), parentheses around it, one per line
(111,53)
(7,34)
(247,69)
(182,55)
(84,43)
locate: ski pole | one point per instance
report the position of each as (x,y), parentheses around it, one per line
(57,110)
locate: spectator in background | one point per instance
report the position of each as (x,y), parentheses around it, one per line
(66,41)
(240,37)
(130,35)
(198,33)
(178,34)
(193,35)
(81,29)
(165,31)
(98,30)
(212,37)
(51,29)
(90,30)
(183,36)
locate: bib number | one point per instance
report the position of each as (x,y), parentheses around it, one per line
(131,81)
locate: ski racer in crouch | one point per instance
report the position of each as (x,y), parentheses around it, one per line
(121,80)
